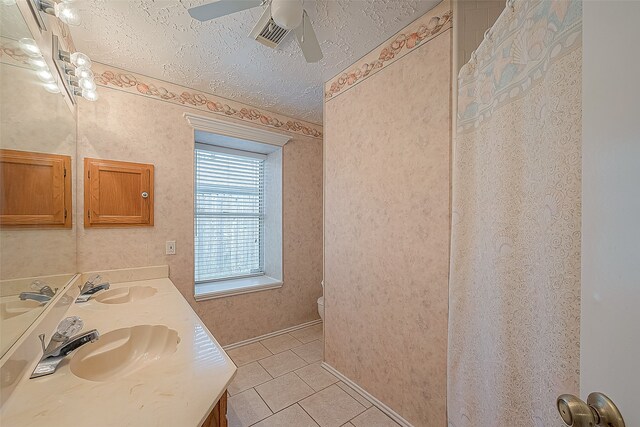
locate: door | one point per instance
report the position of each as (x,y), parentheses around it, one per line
(117,194)
(610,319)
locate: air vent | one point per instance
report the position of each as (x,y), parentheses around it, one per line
(268,32)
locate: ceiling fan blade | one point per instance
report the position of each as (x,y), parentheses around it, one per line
(308,41)
(221,8)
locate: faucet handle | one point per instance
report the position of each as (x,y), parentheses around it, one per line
(36,285)
(67,328)
(93,279)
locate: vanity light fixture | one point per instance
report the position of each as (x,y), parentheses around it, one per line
(83,73)
(77,68)
(87,83)
(63,10)
(90,95)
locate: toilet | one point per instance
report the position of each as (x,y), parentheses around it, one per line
(321,303)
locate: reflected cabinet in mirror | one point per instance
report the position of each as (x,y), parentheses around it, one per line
(37,157)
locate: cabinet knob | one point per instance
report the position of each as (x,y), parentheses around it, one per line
(145,194)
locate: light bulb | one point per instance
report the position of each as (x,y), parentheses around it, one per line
(38,63)
(87,84)
(67,13)
(45,76)
(83,72)
(90,95)
(29,47)
(287,13)
(79,59)
(51,88)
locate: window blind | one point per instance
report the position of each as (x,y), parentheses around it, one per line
(229,213)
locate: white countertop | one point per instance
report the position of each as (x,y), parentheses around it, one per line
(180,389)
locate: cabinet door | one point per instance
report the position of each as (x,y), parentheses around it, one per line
(117,194)
(35,190)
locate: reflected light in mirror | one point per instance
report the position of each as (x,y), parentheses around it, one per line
(45,76)
(52,87)
(29,47)
(38,63)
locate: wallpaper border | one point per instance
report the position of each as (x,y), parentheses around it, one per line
(419,32)
(126,81)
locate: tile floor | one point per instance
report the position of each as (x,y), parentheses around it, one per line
(280,383)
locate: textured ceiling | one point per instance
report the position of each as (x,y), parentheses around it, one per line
(159,39)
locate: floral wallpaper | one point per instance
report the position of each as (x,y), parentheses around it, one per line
(514,299)
(425,28)
(142,85)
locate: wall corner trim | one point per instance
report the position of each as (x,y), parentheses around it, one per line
(236,130)
(375,401)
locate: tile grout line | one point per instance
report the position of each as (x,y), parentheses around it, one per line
(272,378)
(294,403)
(305,411)
(257,385)
(270,410)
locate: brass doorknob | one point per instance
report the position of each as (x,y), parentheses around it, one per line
(599,410)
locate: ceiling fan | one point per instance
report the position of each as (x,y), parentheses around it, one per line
(279,18)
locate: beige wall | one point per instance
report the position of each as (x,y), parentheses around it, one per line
(387,143)
(131,127)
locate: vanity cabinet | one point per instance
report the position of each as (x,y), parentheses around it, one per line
(117,194)
(35,190)
(218,417)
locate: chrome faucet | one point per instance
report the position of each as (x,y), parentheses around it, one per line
(44,292)
(65,340)
(90,287)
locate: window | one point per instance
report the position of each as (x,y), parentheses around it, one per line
(229,214)
(237,207)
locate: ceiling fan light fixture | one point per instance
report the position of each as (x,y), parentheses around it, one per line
(287,13)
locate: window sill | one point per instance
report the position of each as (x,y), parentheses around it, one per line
(226,288)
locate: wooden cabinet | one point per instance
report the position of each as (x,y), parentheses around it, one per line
(218,417)
(117,194)
(35,190)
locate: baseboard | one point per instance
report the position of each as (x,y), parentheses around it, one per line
(272,334)
(376,402)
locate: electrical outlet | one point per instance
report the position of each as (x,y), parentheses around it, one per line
(170,247)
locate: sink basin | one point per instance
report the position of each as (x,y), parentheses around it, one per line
(125,295)
(123,351)
(15,308)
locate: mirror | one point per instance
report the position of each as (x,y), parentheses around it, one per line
(37,157)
